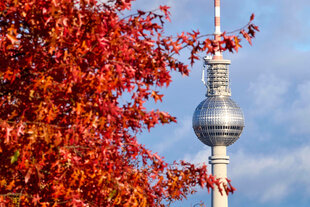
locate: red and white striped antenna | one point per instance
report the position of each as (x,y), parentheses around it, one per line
(217,24)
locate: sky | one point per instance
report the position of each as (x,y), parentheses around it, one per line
(270,163)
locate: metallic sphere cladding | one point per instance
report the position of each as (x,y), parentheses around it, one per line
(218,121)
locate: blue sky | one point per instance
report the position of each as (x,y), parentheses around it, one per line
(270,163)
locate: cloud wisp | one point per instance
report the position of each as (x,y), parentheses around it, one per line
(267,178)
(180,132)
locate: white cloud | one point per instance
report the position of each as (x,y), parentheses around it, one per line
(299,113)
(275,192)
(181,131)
(267,178)
(296,115)
(200,157)
(284,103)
(268,93)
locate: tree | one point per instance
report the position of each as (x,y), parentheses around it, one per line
(66,139)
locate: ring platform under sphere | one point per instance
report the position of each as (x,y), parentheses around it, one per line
(218,121)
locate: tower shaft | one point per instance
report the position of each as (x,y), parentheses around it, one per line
(219,161)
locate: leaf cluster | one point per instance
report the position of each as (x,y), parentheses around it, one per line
(66,137)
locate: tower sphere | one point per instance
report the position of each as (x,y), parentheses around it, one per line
(218,121)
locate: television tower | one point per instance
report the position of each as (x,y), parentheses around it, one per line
(218,121)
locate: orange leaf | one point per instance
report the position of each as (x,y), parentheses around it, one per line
(12,38)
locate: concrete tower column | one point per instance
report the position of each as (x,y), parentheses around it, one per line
(219,162)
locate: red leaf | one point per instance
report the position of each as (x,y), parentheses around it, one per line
(165,9)
(246,36)
(252,17)
(36,199)
(141,12)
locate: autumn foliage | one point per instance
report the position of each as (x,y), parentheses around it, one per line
(74,77)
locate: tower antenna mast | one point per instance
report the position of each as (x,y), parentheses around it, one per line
(217,29)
